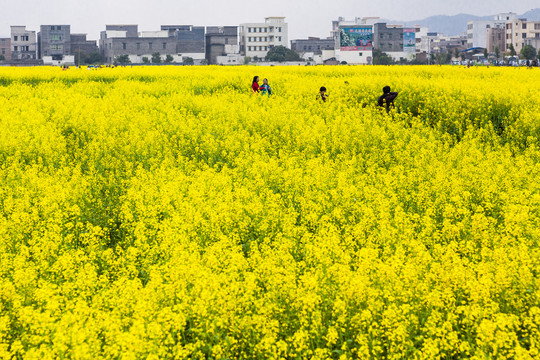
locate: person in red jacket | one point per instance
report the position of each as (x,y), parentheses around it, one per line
(255,85)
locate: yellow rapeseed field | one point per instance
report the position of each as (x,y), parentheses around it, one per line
(168,213)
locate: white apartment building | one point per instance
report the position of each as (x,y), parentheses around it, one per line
(477,30)
(23,43)
(256,39)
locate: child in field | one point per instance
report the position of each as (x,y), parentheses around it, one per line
(322,94)
(265,88)
(387,97)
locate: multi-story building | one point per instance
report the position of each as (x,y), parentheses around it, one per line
(80,45)
(308,48)
(388,38)
(354,40)
(54,44)
(190,40)
(118,40)
(83,49)
(222,45)
(5,48)
(496,39)
(23,44)
(256,39)
(477,30)
(521,32)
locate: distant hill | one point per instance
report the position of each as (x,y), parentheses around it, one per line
(457,24)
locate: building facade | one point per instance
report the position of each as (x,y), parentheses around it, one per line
(54,41)
(23,44)
(354,40)
(222,45)
(190,39)
(477,30)
(79,44)
(388,38)
(256,39)
(496,39)
(521,32)
(5,48)
(119,40)
(308,48)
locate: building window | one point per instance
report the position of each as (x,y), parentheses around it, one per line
(265,29)
(381,36)
(3,51)
(524,26)
(164,46)
(249,29)
(15,38)
(138,46)
(52,28)
(124,46)
(3,42)
(150,46)
(58,28)
(15,48)
(56,37)
(266,48)
(523,35)
(279,29)
(249,48)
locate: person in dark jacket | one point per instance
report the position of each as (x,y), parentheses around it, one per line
(322,94)
(387,97)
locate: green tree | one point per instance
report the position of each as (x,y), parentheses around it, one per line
(497,53)
(189,61)
(381,58)
(486,54)
(456,53)
(204,62)
(93,58)
(168,59)
(443,58)
(512,50)
(247,59)
(146,60)
(281,53)
(528,52)
(2,58)
(122,59)
(156,58)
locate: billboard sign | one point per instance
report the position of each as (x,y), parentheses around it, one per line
(409,40)
(356,38)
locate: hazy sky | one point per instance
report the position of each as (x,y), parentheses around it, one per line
(305,17)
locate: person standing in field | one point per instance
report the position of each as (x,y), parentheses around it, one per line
(255,85)
(387,97)
(265,88)
(322,94)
